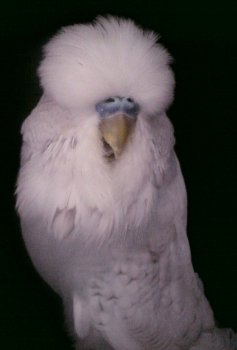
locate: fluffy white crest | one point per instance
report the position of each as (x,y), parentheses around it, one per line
(84,64)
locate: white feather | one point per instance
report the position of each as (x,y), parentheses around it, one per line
(85,63)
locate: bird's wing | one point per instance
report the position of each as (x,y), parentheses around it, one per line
(40,128)
(46,133)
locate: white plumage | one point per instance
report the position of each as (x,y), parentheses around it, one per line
(110,235)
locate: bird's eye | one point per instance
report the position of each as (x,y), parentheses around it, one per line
(110,99)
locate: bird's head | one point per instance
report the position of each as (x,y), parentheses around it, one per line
(110,70)
(106,88)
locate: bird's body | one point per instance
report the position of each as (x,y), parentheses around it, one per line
(105,221)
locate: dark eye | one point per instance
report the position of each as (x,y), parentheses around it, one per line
(110,100)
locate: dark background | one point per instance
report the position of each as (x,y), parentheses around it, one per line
(202,37)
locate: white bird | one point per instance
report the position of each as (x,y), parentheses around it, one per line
(101,196)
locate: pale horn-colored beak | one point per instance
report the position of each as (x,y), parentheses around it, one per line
(118,116)
(115,131)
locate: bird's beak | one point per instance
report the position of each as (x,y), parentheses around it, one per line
(115,131)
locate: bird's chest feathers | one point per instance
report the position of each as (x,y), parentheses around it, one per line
(73,187)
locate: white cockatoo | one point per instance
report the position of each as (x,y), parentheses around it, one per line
(101,197)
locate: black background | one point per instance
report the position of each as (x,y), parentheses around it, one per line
(202,37)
